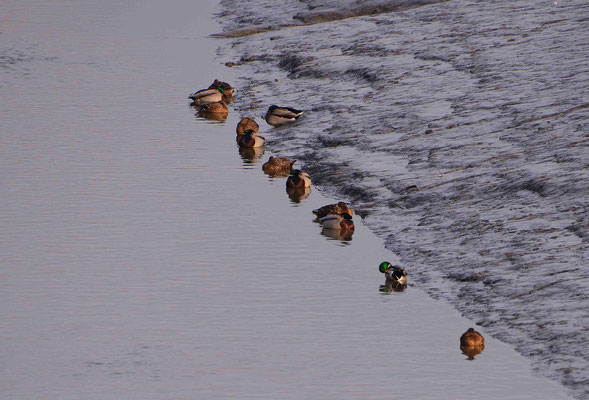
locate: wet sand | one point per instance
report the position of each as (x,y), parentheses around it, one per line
(145,256)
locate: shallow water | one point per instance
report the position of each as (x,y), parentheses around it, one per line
(143,256)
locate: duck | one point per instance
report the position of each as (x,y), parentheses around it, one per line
(245,124)
(281,115)
(393,273)
(298,179)
(250,139)
(227,88)
(338,208)
(471,338)
(278,166)
(208,96)
(335,221)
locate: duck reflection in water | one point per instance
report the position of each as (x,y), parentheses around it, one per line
(297,194)
(251,155)
(396,277)
(472,343)
(392,286)
(214,111)
(338,234)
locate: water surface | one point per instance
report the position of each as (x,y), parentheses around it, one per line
(144,257)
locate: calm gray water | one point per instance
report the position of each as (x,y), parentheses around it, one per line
(143,257)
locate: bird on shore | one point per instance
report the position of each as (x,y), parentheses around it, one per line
(471,338)
(337,222)
(208,96)
(278,166)
(338,208)
(245,124)
(250,139)
(281,115)
(393,273)
(298,179)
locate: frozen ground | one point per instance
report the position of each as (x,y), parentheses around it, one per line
(459,131)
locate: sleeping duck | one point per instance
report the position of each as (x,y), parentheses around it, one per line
(245,124)
(227,88)
(338,208)
(278,166)
(281,115)
(208,96)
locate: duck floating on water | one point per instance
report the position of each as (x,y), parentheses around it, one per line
(250,139)
(393,273)
(278,166)
(208,96)
(245,124)
(338,208)
(298,179)
(281,115)
(337,222)
(472,343)
(227,88)
(471,338)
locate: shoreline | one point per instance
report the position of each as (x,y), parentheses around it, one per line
(466,184)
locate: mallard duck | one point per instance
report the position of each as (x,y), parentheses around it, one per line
(250,139)
(338,208)
(298,179)
(471,338)
(393,272)
(278,166)
(227,88)
(245,124)
(207,96)
(281,115)
(335,221)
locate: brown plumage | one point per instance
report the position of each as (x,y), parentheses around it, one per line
(338,209)
(471,338)
(278,166)
(245,124)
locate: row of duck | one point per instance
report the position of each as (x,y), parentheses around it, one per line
(217,95)
(211,103)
